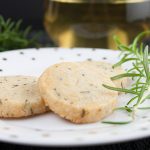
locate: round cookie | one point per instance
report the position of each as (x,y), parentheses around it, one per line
(75,92)
(19,97)
(107,69)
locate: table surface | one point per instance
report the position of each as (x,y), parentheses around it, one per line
(141,144)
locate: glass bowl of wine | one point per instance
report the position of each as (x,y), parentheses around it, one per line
(93,23)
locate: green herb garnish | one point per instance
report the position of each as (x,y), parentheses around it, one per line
(12,37)
(140,73)
(117,122)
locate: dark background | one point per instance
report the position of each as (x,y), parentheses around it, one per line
(31,11)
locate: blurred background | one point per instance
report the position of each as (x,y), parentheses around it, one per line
(81,23)
(31,11)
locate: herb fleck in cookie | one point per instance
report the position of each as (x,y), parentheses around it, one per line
(19,97)
(110,71)
(75,92)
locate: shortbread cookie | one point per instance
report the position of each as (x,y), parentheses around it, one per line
(75,92)
(110,71)
(19,97)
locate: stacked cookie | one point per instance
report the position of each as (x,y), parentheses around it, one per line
(73,90)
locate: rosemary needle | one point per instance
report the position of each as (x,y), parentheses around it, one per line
(117,122)
(144,108)
(139,72)
(120,89)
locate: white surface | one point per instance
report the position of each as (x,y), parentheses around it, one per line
(49,129)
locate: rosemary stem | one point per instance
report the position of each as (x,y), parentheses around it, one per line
(147,92)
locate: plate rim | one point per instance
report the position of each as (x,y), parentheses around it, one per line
(84,144)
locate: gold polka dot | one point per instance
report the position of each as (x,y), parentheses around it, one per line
(45,135)
(6,128)
(13,136)
(79,139)
(56,49)
(89,59)
(38,130)
(144,128)
(114,132)
(92,132)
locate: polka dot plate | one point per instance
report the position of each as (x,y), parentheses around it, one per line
(49,129)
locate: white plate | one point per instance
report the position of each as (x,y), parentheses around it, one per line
(49,129)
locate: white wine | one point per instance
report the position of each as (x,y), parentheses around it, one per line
(92,23)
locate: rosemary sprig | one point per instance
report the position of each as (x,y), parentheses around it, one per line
(139,72)
(12,37)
